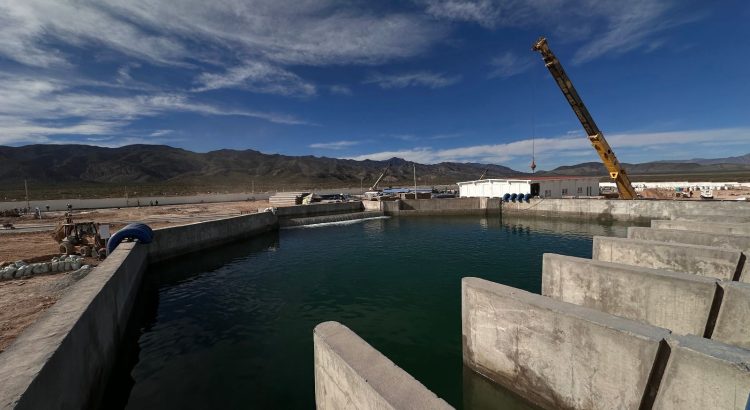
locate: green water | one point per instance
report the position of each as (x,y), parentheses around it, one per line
(232,327)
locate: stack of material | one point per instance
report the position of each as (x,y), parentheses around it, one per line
(287,198)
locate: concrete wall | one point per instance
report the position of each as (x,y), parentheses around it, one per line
(626,210)
(713,218)
(351,374)
(300,211)
(717,263)
(328,218)
(557,355)
(733,321)
(713,227)
(372,206)
(179,240)
(445,206)
(675,301)
(726,241)
(703,374)
(64,358)
(439,204)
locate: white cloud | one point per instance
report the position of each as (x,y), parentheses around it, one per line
(606,27)
(259,77)
(567,146)
(310,32)
(509,64)
(32,109)
(340,89)
(412,79)
(160,133)
(335,145)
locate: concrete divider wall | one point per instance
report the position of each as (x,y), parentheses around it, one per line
(724,264)
(64,358)
(179,240)
(679,302)
(439,204)
(721,218)
(556,354)
(299,211)
(704,374)
(351,374)
(733,321)
(726,241)
(713,227)
(627,210)
(443,206)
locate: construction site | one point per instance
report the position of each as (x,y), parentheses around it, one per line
(570,294)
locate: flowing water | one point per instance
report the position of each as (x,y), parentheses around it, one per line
(232,327)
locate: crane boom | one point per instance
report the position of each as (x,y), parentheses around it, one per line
(374,186)
(616,171)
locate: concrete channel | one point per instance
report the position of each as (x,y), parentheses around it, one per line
(655,320)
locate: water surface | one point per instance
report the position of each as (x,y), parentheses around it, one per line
(232,327)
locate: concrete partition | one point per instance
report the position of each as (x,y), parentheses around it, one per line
(712,227)
(720,218)
(703,374)
(300,211)
(724,264)
(179,240)
(726,241)
(64,358)
(679,302)
(733,321)
(351,374)
(556,354)
(627,210)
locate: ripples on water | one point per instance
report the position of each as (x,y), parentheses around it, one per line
(232,327)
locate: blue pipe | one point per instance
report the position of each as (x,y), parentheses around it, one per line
(139,231)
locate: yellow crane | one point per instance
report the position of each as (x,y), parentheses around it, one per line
(616,171)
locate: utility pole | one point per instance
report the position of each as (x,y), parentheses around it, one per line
(26,188)
(415,179)
(253,185)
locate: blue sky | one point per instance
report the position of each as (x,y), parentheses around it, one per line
(426,80)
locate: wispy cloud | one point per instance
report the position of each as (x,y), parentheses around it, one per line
(160,133)
(340,89)
(259,77)
(34,108)
(509,64)
(603,27)
(629,145)
(335,145)
(412,79)
(173,32)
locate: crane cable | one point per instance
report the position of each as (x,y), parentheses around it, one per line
(533,126)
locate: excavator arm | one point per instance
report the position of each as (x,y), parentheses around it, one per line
(616,171)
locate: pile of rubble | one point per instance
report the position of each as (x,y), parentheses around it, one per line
(21,269)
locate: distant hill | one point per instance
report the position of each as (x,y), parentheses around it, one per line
(730,166)
(65,170)
(49,165)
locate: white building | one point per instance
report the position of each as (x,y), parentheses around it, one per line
(543,187)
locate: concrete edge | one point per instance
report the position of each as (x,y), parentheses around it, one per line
(369,369)
(631,268)
(594,316)
(60,359)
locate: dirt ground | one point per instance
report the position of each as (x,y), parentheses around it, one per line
(23,300)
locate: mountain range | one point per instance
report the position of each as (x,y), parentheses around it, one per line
(71,165)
